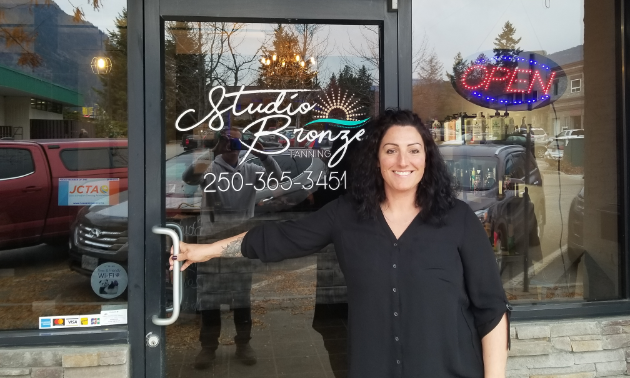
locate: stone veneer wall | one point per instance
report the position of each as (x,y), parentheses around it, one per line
(577,348)
(107,361)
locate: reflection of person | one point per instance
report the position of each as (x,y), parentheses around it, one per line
(227,149)
(331,294)
(424,294)
(226,281)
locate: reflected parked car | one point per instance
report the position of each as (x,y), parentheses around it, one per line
(575,240)
(267,141)
(597,271)
(571,133)
(99,233)
(207,140)
(555,149)
(32,174)
(493,179)
(540,139)
(292,141)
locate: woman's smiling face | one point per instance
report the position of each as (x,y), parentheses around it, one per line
(401,159)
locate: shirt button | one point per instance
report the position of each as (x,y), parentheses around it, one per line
(396,338)
(398,362)
(395,244)
(394,266)
(394,290)
(395,314)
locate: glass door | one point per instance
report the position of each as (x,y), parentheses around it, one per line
(259,117)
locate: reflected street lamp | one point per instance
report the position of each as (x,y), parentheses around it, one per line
(101,65)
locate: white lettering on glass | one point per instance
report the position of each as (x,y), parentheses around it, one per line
(275,110)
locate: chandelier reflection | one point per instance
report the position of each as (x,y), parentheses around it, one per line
(287,71)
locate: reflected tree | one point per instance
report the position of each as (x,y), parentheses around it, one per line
(111,117)
(459,67)
(238,64)
(22,39)
(198,57)
(364,51)
(505,44)
(429,88)
(282,66)
(358,83)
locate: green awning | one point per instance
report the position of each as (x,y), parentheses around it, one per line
(27,85)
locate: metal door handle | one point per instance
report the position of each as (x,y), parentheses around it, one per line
(30,189)
(177,278)
(177,228)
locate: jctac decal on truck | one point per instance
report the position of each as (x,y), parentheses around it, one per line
(82,192)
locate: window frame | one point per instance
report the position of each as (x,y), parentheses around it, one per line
(577,89)
(620,306)
(111,158)
(142,26)
(30,154)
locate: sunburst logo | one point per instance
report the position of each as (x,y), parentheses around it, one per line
(343,110)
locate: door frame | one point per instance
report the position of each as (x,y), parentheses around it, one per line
(146,119)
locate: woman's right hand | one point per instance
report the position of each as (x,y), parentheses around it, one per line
(190,254)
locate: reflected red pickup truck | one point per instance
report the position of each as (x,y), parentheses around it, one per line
(30,173)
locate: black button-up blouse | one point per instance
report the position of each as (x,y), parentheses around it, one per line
(418,305)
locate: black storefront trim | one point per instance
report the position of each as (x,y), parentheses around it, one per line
(95,336)
(136,135)
(405,54)
(567,311)
(623,136)
(139,150)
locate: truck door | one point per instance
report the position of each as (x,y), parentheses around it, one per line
(25,193)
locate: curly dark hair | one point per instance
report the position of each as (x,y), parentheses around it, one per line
(436,192)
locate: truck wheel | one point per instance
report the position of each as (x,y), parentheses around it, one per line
(57,242)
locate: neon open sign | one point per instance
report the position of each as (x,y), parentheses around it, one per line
(510,80)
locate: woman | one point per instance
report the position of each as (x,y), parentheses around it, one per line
(424,294)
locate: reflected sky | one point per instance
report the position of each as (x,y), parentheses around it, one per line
(465,26)
(337,38)
(448,27)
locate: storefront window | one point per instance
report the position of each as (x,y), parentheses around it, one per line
(63,165)
(294,92)
(521,98)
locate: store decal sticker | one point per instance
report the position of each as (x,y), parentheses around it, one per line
(83,192)
(276,110)
(108,317)
(109,280)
